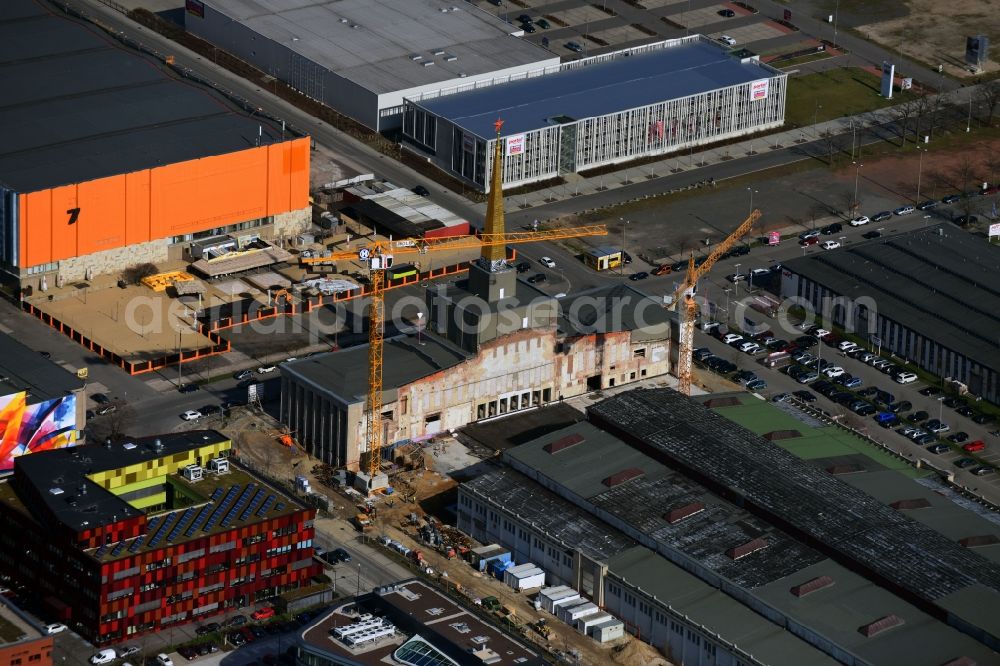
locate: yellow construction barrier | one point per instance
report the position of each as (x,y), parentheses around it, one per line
(161,281)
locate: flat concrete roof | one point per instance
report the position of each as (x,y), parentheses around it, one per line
(691,66)
(344,373)
(373,42)
(939,281)
(78,105)
(22,369)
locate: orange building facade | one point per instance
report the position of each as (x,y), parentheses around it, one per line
(166,202)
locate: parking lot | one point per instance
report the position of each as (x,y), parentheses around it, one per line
(926,404)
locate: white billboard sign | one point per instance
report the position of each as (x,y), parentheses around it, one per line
(515,144)
(994,229)
(758,89)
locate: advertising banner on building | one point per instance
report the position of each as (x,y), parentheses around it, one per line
(515,145)
(773,237)
(758,89)
(27,428)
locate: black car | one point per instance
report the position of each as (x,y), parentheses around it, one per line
(951,198)
(243,374)
(641,275)
(626,258)
(901,406)
(236,621)
(341,555)
(536,278)
(188,388)
(210,409)
(870,235)
(739,251)
(982,419)
(528,27)
(45,354)
(831,229)
(421,190)
(524,18)
(927,205)
(188,652)
(917,417)
(953,402)
(805,396)
(806,341)
(939,448)
(962,463)
(523,267)
(966,411)
(958,437)
(882,215)
(100,398)
(929,390)
(728,13)
(236,638)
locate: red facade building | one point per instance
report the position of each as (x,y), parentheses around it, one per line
(142,535)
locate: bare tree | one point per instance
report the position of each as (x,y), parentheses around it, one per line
(989,96)
(110,426)
(904,112)
(964,178)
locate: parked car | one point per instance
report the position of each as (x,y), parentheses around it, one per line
(833,371)
(805,396)
(807,242)
(860,221)
(536,278)
(164,660)
(54,628)
(523,267)
(918,417)
(982,419)
(730,338)
(543,24)
(881,216)
(265,613)
(812,233)
(266,369)
(962,463)
(663,269)
(726,13)
(641,275)
(736,277)
(870,235)
(966,411)
(982,470)
(236,639)
(830,245)
(904,210)
(236,621)
(901,406)
(977,445)
(939,448)
(243,374)
(188,388)
(850,382)
(951,198)
(547,262)
(727,40)
(927,205)
(421,190)
(756,385)
(831,229)
(191,415)
(574,47)
(528,27)
(929,390)
(935,425)
(105,656)
(958,437)
(208,410)
(906,378)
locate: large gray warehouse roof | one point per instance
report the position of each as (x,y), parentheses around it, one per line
(939,281)
(371,42)
(77,106)
(691,67)
(835,518)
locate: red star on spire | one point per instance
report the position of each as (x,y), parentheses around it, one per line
(498,124)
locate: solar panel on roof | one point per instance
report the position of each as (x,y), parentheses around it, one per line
(210,523)
(100,551)
(267,505)
(118,549)
(167,522)
(137,544)
(244,497)
(216,494)
(180,524)
(280,506)
(199,519)
(257,498)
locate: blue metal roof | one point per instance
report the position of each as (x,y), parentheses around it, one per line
(617,85)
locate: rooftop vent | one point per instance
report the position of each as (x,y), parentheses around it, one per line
(621,477)
(919,503)
(158,446)
(128,446)
(429,63)
(680,513)
(563,443)
(416,57)
(56,491)
(811,586)
(747,548)
(880,625)
(355,26)
(438,52)
(712,403)
(775,435)
(448,57)
(343,20)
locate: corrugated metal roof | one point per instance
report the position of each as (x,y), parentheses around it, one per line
(686,68)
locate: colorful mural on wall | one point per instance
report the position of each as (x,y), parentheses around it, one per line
(26,428)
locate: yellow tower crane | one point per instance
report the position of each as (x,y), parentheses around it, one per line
(688,310)
(378,256)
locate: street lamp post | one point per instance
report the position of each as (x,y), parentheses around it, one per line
(836,12)
(968,124)
(736,284)
(855,205)
(621,259)
(358,593)
(816,109)
(752,192)
(920,170)
(727,290)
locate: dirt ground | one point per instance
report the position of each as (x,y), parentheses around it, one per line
(934,32)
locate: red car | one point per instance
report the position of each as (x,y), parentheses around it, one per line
(977,445)
(805,242)
(263,613)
